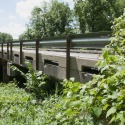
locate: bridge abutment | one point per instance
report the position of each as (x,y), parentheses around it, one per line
(4,76)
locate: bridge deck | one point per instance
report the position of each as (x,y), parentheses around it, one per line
(78,53)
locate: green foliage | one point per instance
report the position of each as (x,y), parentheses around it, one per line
(27,35)
(59,18)
(16,106)
(5,37)
(97,15)
(37,83)
(108,95)
(50,19)
(66,109)
(56,18)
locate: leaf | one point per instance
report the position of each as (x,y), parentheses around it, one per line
(105,68)
(122,72)
(105,54)
(76,87)
(24,99)
(97,111)
(111,111)
(10,111)
(33,102)
(68,111)
(124,114)
(106,106)
(72,79)
(113,118)
(110,80)
(120,116)
(58,116)
(75,103)
(113,96)
(98,122)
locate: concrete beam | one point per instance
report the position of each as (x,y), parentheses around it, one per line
(60,73)
(77,62)
(10,71)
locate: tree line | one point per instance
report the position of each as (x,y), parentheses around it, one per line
(5,37)
(56,18)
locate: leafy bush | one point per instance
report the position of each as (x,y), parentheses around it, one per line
(39,84)
(17,107)
(105,102)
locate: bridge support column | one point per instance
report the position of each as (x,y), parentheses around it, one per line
(10,71)
(5,76)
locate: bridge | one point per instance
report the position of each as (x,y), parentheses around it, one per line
(60,57)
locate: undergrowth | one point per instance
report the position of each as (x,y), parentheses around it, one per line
(98,102)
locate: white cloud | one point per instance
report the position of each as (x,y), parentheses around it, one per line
(12,17)
(14,29)
(24,7)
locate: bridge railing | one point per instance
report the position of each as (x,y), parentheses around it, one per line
(96,40)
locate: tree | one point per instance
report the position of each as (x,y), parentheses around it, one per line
(38,21)
(5,37)
(97,15)
(59,18)
(28,34)
(50,19)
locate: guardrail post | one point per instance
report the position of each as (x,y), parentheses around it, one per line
(11,51)
(68,57)
(7,50)
(21,44)
(2,49)
(37,54)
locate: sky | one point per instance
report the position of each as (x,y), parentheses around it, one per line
(14,14)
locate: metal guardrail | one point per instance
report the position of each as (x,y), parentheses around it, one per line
(84,43)
(87,40)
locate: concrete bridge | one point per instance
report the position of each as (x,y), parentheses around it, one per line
(60,57)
